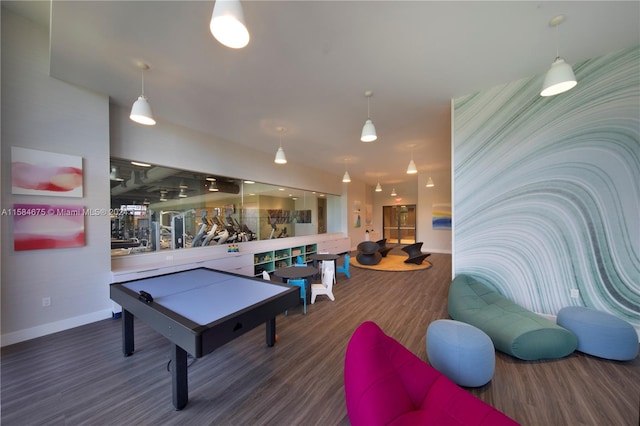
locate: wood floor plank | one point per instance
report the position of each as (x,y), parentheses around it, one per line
(79,376)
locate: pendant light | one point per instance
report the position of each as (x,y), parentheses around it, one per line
(227,24)
(141,110)
(280,157)
(412,169)
(560,76)
(393,192)
(213,186)
(346,178)
(378,187)
(429,183)
(368,130)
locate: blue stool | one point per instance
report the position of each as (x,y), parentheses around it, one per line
(462,352)
(600,333)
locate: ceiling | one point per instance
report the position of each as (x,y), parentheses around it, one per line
(309,63)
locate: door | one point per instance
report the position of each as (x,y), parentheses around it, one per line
(399,223)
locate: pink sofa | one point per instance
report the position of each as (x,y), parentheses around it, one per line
(386,384)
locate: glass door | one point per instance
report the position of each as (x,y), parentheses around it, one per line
(399,224)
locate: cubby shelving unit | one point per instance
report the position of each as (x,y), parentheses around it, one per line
(274,259)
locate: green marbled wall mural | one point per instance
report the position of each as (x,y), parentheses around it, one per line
(546,191)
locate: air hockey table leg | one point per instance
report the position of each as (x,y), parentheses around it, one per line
(179,384)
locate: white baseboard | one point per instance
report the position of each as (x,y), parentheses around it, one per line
(54,327)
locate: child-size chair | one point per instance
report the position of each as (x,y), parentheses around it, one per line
(344,269)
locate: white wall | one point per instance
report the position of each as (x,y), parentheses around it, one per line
(39,112)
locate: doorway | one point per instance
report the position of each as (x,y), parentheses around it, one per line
(399,223)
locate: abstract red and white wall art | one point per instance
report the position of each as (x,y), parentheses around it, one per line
(43,226)
(45,173)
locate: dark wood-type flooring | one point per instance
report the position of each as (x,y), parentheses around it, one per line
(80,377)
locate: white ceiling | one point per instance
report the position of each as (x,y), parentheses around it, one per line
(309,63)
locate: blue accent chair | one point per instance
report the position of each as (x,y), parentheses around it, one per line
(303,293)
(345,266)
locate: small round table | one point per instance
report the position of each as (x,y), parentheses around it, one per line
(297,272)
(324,257)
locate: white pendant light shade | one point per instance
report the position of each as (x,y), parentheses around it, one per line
(558,79)
(393,192)
(227,24)
(368,132)
(280,157)
(213,187)
(560,76)
(412,170)
(346,178)
(141,110)
(378,187)
(430,183)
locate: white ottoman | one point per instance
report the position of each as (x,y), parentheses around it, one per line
(462,352)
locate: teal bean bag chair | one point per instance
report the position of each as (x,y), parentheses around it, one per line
(513,329)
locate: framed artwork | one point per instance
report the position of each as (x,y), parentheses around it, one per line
(44,226)
(441,216)
(368,215)
(357,217)
(45,173)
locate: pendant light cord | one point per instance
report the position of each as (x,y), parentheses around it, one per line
(557,47)
(142,71)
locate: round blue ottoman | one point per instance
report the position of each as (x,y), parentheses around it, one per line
(600,333)
(462,352)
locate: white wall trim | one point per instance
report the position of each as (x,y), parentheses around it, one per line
(53,327)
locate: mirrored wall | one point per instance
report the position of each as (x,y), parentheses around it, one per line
(158,208)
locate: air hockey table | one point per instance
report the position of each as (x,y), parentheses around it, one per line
(199,310)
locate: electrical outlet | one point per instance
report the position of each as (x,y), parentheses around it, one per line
(575,293)
(46,301)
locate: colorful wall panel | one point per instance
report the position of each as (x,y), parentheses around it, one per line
(546,191)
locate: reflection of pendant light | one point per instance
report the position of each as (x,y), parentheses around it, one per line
(114,175)
(393,192)
(163,195)
(346,178)
(141,110)
(560,76)
(280,157)
(430,183)
(368,130)
(227,24)
(183,193)
(183,185)
(378,187)
(213,187)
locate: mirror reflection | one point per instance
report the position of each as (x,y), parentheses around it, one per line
(159,208)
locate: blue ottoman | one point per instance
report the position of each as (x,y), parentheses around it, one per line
(600,333)
(462,352)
